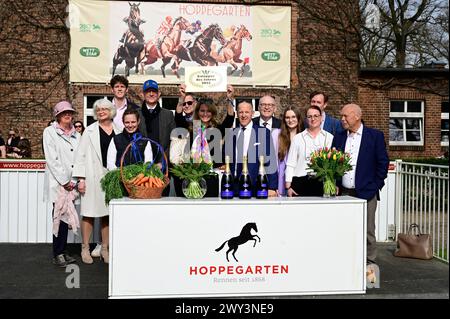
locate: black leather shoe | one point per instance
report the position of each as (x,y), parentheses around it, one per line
(60,261)
(69,259)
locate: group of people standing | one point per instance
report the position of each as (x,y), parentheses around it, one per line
(78,162)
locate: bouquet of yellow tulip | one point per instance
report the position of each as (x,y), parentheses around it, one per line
(328,164)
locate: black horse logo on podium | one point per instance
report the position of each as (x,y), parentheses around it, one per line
(244,236)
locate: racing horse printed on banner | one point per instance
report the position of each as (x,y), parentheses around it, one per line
(232,50)
(200,51)
(244,236)
(166,48)
(132,39)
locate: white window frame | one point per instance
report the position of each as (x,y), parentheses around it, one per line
(405,116)
(444,116)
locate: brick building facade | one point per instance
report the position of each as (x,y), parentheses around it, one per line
(424,92)
(34,46)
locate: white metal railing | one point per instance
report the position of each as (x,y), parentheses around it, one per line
(24,216)
(422,196)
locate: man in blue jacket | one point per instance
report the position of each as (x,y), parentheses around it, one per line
(370,162)
(252,140)
(329,123)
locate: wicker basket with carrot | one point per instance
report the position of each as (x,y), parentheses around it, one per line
(148,183)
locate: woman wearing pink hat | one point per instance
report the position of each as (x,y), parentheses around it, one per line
(60,141)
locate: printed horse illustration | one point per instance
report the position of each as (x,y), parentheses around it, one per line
(166,48)
(244,236)
(133,41)
(201,48)
(232,50)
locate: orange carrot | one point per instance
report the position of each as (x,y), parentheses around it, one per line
(138,178)
(143,180)
(152,181)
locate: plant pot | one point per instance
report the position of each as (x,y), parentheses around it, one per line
(329,187)
(194,189)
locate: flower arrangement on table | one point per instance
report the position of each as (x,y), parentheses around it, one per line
(329,164)
(199,166)
(192,173)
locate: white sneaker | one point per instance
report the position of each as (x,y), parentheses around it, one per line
(96,251)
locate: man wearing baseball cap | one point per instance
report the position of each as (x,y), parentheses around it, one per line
(157,122)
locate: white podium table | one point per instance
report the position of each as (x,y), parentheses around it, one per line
(166,248)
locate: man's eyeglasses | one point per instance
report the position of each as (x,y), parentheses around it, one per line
(188,103)
(310,117)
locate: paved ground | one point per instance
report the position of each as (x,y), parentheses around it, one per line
(27,272)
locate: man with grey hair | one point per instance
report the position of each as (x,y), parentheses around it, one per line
(267,107)
(156,122)
(369,161)
(251,140)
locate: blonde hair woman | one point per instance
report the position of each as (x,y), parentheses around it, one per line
(90,167)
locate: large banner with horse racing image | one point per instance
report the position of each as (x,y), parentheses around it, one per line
(158,40)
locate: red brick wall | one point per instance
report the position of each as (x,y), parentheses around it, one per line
(34,47)
(375,104)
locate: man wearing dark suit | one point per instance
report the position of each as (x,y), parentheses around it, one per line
(253,141)
(370,163)
(156,123)
(329,123)
(266,108)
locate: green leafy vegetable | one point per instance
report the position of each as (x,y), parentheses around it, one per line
(112,186)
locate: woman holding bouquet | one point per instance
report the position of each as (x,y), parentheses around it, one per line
(298,181)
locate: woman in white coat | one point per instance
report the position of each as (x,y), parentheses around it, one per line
(60,141)
(90,167)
